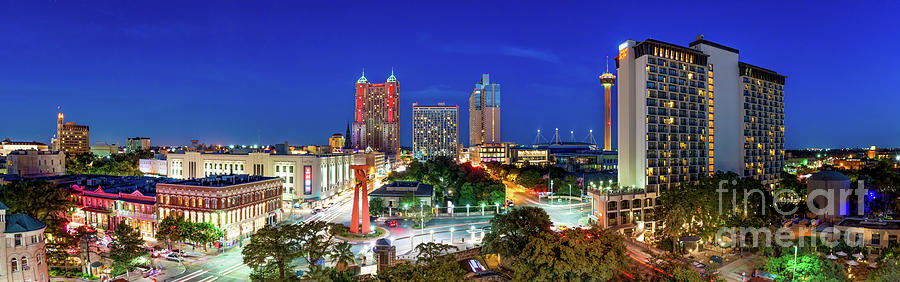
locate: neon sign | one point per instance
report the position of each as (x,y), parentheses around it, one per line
(307,180)
(623,53)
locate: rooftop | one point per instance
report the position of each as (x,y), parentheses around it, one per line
(146,185)
(224,180)
(401,188)
(8,142)
(18,223)
(33,152)
(710,43)
(870,223)
(829,175)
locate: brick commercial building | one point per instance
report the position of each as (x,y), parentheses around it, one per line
(237,204)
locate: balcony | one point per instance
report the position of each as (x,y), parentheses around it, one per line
(137,215)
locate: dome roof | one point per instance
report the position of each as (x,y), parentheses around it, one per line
(829,175)
(362,79)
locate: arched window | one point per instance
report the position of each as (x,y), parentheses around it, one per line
(14,265)
(24,263)
(40,259)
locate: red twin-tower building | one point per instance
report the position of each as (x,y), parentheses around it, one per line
(376,115)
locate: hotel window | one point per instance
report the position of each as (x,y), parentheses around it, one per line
(876,239)
(18,239)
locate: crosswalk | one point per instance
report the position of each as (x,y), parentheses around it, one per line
(209,274)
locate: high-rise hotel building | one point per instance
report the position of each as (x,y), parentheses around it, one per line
(435,131)
(484,112)
(686,112)
(71,138)
(376,115)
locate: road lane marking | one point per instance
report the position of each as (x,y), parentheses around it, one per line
(231,269)
(192,275)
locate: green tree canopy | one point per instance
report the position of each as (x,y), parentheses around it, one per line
(429,252)
(573,255)
(699,209)
(888,271)
(808,267)
(126,247)
(460,183)
(47,203)
(376,206)
(511,232)
(271,252)
(169,230)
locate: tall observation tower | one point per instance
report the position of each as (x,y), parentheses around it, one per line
(608,80)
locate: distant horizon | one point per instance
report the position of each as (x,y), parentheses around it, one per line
(229,73)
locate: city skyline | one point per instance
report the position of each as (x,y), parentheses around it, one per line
(187,69)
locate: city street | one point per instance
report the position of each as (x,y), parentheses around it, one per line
(228,266)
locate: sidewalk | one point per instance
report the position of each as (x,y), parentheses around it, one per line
(732,271)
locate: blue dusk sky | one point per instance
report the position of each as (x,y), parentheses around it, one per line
(234,72)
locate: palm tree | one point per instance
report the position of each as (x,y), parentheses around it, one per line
(342,256)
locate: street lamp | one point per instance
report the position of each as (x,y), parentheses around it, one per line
(451,235)
(422,214)
(794,268)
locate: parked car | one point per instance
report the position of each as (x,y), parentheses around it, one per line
(174,257)
(391,223)
(317,210)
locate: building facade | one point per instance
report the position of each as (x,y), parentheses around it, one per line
(663,110)
(153,167)
(7,146)
(484,112)
(24,253)
(72,138)
(393,193)
(748,132)
(336,142)
(491,152)
(683,114)
(529,156)
(36,163)
(102,149)
(104,210)
(306,178)
(435,131)
(377,115)
(669,131)
(137,144)
(237,204)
